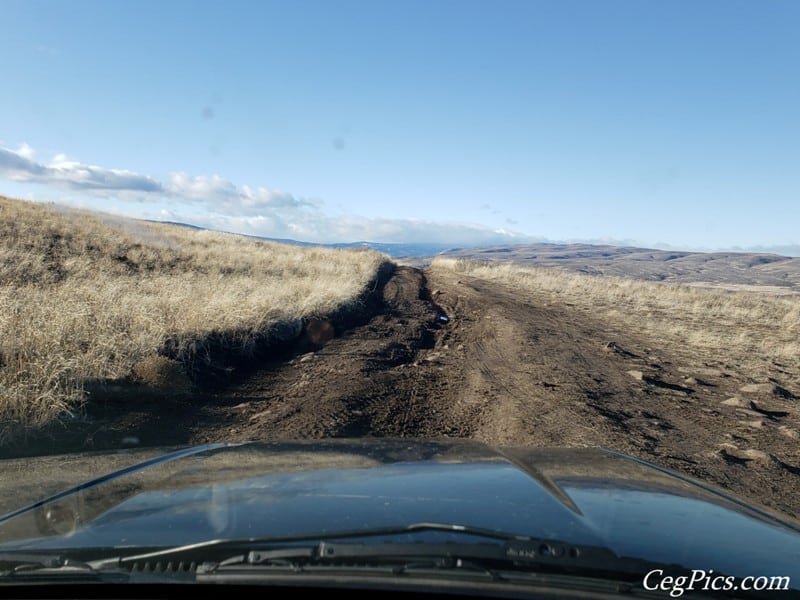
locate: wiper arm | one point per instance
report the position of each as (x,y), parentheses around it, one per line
(17,566)
(514,554)
(200,551)
(331,553)
(509,550)
(526,562)
(11,562)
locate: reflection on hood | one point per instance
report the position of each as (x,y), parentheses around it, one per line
(587,497)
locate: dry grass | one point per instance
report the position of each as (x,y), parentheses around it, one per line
(750,332)
(85,296)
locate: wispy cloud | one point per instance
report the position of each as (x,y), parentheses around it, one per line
(238,208)
(217,193)
(20,165)
(26,151)
(228,198)
(315,226)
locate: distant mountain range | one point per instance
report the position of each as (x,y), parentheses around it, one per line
(725,269)
(395,250)
(419,250)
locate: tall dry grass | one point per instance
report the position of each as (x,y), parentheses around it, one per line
(752,331)
(86,296)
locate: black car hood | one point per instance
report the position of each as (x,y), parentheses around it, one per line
(581,496)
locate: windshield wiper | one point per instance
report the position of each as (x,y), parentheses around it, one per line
(19,561)
(16,567)
(517,555)
(376,555)
(512,551)
(201,550)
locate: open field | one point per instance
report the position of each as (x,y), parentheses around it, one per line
(755,332)
(87,298)
(739,270)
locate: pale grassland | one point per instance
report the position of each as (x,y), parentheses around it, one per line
(86,296)
(749,330)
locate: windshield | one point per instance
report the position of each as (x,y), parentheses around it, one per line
(480,229)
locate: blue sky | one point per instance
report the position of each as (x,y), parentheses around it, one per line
(672,122)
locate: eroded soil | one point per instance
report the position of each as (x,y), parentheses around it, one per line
(449,355)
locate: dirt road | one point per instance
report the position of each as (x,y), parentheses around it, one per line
(448,355)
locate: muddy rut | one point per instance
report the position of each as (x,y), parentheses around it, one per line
(449,355)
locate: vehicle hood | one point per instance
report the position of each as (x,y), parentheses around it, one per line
(581,496)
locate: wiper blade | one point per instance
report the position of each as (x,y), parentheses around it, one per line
(201,550)
(517,562)
(509,550)
(12,562)
(510,554)
(17,566)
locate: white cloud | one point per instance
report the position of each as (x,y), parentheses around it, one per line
(217,193)
(188,187)
(221,195)
(25,151)
(60,172)
(17,167)
(243,209)
(315,226)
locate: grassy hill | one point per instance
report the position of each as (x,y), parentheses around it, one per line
(87,297)
(731,270)
(755,332)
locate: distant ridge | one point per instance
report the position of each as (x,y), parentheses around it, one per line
(395,250)
(724,269)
